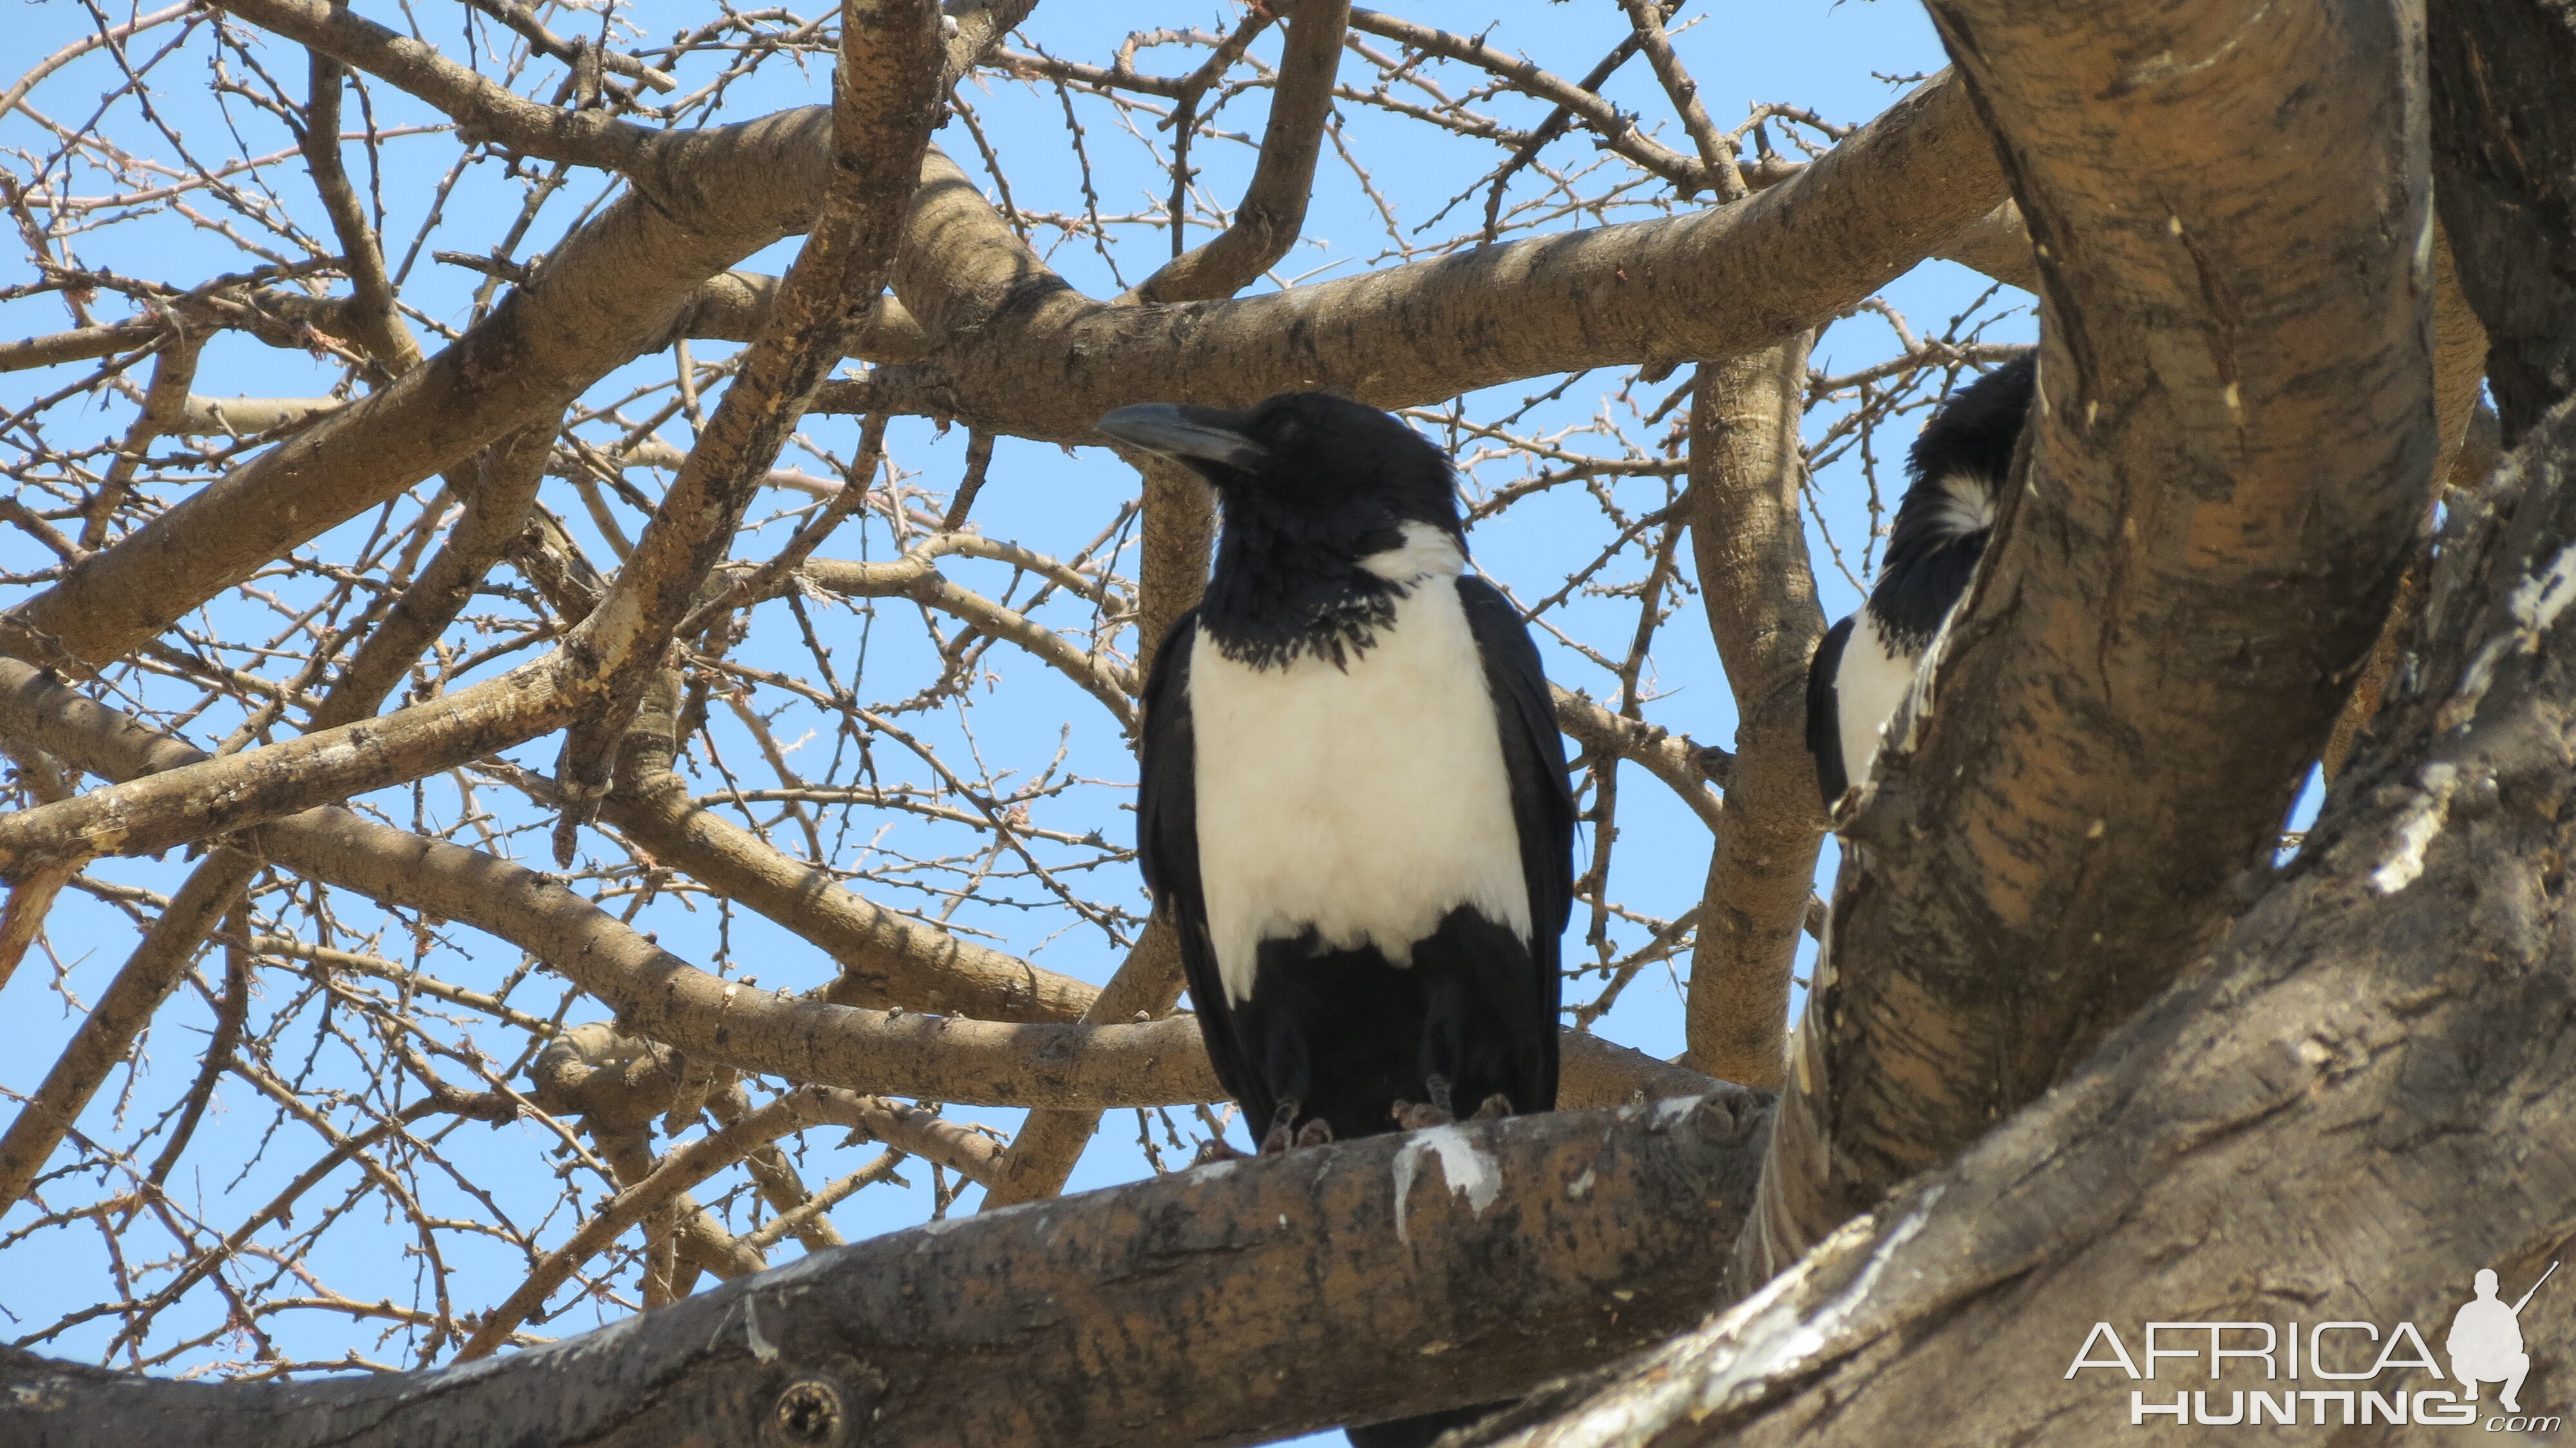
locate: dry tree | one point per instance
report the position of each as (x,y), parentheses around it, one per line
(571,702)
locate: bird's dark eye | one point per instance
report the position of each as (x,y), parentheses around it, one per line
(1287,429)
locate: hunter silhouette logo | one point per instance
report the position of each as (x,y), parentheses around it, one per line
(2486,1341)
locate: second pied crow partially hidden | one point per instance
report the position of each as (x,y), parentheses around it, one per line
(1354,803)
(1955,479)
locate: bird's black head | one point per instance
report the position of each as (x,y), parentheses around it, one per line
(1309,484)
(1320,467)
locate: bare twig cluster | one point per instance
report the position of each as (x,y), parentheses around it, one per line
(382,402)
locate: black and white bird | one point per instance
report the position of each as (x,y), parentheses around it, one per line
(1354,803)
(1954,482)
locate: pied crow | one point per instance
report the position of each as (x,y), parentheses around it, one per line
(1354,803)
(1954,482)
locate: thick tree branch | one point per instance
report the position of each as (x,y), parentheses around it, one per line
(1046,361)
(209,796)
(1749,540)
(658,995)
(2508,189)
(2228,464)
(1682,765)
(78,346)
(24,919)
(1400,1273)
(2459,371)
(2390,1010)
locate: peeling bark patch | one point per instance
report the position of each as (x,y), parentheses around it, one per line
(2535,606)
(1468,1169)
(1793,1341)
(2416,826)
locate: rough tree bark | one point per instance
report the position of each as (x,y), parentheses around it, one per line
(1223,1305)
(2379,1041)
(2358,1101)
(2230,459)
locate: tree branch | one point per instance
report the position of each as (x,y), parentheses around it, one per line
(1046,361)
(2227,466)
(658,995)
(107,1036)
(884,104)
(892,1122)
(1748,538)
(2387,1011)
(1682,765)
(1483,1283)
(885,959)
(1273,210)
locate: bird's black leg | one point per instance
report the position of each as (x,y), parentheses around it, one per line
(1443,1049)
(1290,1067)
(1283,1128)
(1440,1087)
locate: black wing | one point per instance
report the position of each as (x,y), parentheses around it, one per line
(1167,850)
(1824,720)
(1542,799)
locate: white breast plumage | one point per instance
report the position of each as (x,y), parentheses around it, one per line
(1363,802)
(1870,680)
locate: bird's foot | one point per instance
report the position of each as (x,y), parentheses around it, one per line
(1496,1107)
(1317,1132)
(1415,1115)
(1283,1129)
(1217,1148)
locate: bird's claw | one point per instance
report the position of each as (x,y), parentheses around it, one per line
(1284,1137)
(1283,1132)
(1495,1108)
(1415,1115)
(1217,1148)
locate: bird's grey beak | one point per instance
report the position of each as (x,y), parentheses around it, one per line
(1202,434)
